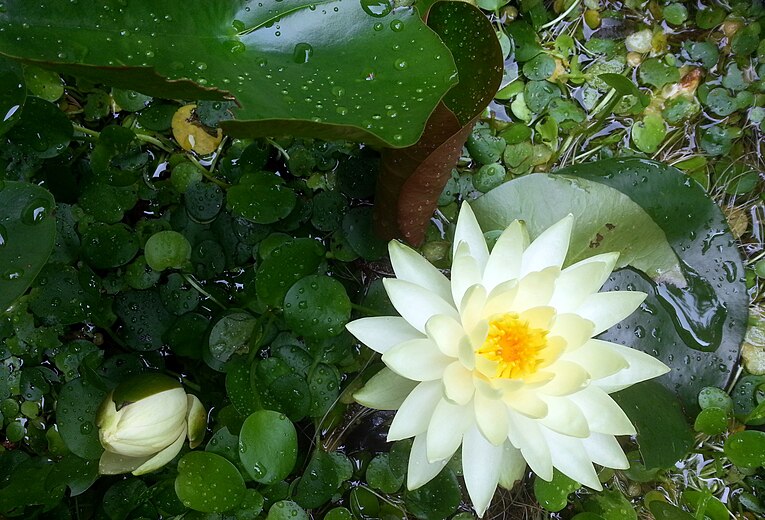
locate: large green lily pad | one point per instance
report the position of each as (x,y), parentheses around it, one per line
(330,68)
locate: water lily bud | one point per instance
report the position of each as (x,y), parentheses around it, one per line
(144,422)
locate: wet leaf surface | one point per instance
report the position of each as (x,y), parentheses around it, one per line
(280,60)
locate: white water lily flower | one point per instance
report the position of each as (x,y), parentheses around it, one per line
(501,360)
(144,422)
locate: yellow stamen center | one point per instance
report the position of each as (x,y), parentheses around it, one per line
(514,345)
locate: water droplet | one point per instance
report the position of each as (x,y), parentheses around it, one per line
(400,64)
(302,52)
(376,8)
(237,47)
(35,212)
(397,25)
(86,427)
(3,236)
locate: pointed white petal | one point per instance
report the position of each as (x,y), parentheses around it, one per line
(605,450)
(538,317)
(500,299)
(598,360)
(602,413)
(606,309)
(163,457)
(447,426)
(574,329)
(414,414)
(468,231)
(415,304)
(465,273)
(471,308)
(458,384)
(549,248)
(491,417)
(505,259)
(410,266)
(513,466)
(570,458)
(641,367)
(481,466)
(526,402)
(418,360)
(535,289)
(382,332)
(569,378)
(446,332)
(113,463)
(196,421)
(565,417)
(385,390)
(420,471)
(578,281)
(526,435)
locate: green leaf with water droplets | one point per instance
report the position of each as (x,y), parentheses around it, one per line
(746,449)
(268,446)
(27,233)
(331,69)
(76,408)
(317,307)
(13,93)
(208,482)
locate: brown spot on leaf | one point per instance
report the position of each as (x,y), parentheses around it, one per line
(596,243)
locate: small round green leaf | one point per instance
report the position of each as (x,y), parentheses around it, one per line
(261,197)
(76,408)
(167,250)
(746,449)
(230,334)
(109,245)
(553,495)
(712,421)
(268,446)
(43,130)
(286,510)
(208,482)
(317,307)
(438,498)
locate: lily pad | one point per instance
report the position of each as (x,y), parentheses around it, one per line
(27,233)
(13,93)
(268,446)
(268,55)
(208,482)
(261,198)
(76,408)
(317,307)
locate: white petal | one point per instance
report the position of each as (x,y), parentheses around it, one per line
(501,298)
(602,413)
(570,458)
(458,384)
(415,304)
(605,450)
(163,457)
(420,471)
(513,466)
(641,367)
(382,332)
(598,360)
(471,308)
(535,289)
(492,419)
(385,390)
(481,466)
(465,273)
(468,231)
(609,308)
(113,463)
(549,248)
(526,402)
(572,328)
(446,332)
(505,259)
(414,414)
(578,281)
(526,435)
(569,378)
(418,360)
(410,266)
(447,426)
(565,417)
